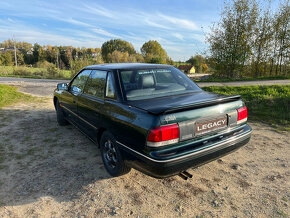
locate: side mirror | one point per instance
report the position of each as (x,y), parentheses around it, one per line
(62,86)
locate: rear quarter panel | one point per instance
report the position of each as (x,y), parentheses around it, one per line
(128,124)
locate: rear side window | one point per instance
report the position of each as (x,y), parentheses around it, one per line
(78,83)
(96,84)
(110,88)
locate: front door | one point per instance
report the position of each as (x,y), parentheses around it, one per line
(71,97)
(91,102)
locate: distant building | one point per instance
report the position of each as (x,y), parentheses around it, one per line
(30,52)
(187,68)
(3,50)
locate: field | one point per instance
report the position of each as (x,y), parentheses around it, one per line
(267,104)
(212,78)
(33,72)
(52,171)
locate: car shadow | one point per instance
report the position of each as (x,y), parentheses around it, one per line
(40,158)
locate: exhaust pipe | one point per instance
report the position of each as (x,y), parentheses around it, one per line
(185,175)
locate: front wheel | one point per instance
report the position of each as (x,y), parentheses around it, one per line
(59,115)
(112,157)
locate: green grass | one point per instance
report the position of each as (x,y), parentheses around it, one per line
(216,79)
(32,72)
(268,104)
(9,95)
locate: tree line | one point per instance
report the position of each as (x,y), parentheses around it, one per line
(251,39)
(68,57)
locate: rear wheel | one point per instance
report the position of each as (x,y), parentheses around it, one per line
(60,115)
(111,156)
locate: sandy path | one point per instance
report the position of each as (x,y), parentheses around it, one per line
(52,171)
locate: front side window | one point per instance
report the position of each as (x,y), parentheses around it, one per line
(152,83)
(96,84)
(78,83)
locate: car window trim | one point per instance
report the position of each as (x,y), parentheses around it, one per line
(121,85)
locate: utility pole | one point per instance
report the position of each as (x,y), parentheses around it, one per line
(57,63)
(15,54)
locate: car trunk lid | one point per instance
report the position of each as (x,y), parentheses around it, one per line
(197,114)
(171,104)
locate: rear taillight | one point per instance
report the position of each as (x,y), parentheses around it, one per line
(163,135)
(242,115)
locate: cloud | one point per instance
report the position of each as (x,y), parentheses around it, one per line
(199,37)
(73,21)
(90,24)
(28,34)
(178,36)
(98,10)
(104,32)
(183,23)
(151,23)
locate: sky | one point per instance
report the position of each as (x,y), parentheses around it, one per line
(179,26)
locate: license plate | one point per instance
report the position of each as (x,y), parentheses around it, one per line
(203,127)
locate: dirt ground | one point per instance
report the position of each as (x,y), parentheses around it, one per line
(52,171)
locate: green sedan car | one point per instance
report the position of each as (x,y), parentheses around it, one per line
(151,117)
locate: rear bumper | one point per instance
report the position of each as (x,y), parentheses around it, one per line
(165,165)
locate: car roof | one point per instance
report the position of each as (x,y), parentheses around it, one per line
(127,66)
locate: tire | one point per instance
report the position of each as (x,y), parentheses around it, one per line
(111,156)
(59,115)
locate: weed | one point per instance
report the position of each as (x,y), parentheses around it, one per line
(282,213)
(284,199)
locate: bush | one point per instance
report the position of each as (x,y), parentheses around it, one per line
(52,70)
(44,64)
(21,71)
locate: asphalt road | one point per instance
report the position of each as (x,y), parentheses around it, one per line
(45,87)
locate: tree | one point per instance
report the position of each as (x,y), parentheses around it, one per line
(282,36)
(261,43)
(36,48)
(116,45)
(6,58)
(153,52)
(231,39)
(118,57)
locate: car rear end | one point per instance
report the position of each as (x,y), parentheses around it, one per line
(190,137)
(195,128)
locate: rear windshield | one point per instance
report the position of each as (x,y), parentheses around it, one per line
(152,83)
